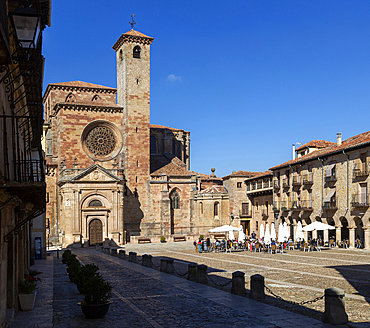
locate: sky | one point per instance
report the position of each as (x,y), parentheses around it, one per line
(246,78)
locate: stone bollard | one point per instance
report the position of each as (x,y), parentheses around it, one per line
(202,274)
(238,283)
(257,291)
(192,272)
(132,257)
(122,254)
(163,265)
(170,268)
(106,250)
(101,248)
(144,260)
(149,263)
(335,309)
(113,252)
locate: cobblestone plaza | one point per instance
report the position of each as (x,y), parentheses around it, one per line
(149,298)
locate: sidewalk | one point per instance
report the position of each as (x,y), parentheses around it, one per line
(148,298)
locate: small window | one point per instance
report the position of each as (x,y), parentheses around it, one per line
(137,52)
(71,98)
(175,200)
(96,98)
(95,203)
(238,184)
(201,208)
(216,205)
(256,225)
(256,206)
(245,208)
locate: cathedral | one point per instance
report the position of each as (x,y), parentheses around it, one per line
(110,174)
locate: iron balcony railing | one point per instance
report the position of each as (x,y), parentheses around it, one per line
(284,206)
(360,200)
(332,205)
(307,179)
(276,206)
(285,183)
(29,171)
(300,204)
(360,170)
(296,180)
(276,184)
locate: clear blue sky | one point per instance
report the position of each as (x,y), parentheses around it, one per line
(246,78)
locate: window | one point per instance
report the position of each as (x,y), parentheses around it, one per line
(215,209)
(96,98)
(95,203)
(175,200)
(256,225)
(238,184)
(245,208)
(256,206)
(267,204)
(136,52)
(71,98)
(200,208)
(153,145)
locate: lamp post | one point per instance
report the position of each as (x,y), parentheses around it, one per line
(27,25)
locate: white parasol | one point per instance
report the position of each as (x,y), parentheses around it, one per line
(224,228)
(273,232)
(241,234)
(280,233)
(231,235)
(299,232)
(317,225)
(285,231)
(262,231)
(267,235)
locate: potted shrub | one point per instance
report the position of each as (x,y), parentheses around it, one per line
(65,255)
(27,292)
(96,302)
(201,237)
(163,239)
(85,273)
(73,268)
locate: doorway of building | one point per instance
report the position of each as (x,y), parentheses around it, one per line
(95,232)
(246,227)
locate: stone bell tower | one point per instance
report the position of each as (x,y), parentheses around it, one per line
(133,94)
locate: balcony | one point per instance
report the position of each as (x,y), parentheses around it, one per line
(276,206)
(360,170)
(307,179)
(285,183)
(265,214)
(297,180)
(276,184)
(284,206)
(332,205)
(306,204)
(360,200)
(330,175)
(259,185)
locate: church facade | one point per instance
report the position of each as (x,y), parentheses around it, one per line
(111,175)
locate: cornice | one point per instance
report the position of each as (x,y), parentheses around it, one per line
(126,38)
(87,107)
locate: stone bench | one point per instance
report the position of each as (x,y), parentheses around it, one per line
(179,238)
(143,240)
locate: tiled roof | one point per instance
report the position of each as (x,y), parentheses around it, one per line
(260,174)
(81,84)
(316,144)
(214,190)
(137,33)
(241,174)
(356,141)
(165,165)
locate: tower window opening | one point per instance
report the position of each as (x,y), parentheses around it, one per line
(136,52)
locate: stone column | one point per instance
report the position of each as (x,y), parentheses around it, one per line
(314,234)
(367,237)
(338,234)
(352,237)
(326,235)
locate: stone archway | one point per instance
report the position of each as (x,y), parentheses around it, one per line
(95,232)
(344,229)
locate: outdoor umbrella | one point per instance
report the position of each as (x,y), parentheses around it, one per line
(317,225)
(262,232)
(241,234)
(273,232)
(267,234)
(285,231)
(299,232)
(280,233)
(231,235)
(224,228)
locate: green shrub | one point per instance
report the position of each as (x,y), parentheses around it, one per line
(96,290)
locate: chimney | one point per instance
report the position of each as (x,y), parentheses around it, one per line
(339,139)
(293,148)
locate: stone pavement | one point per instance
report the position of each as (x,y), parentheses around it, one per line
(147,298)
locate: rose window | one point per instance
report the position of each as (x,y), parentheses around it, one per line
(100,141)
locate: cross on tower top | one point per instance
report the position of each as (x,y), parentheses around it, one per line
(133,22)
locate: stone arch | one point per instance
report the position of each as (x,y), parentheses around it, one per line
(136,52)
(95,231)
(359,231)
(86,199)
(96,98)
(175,205)
(71,98)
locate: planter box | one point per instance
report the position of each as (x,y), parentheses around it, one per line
(27,301)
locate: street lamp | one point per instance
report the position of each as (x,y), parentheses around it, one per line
(27,25)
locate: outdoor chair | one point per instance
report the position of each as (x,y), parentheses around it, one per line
(290,245)
(257,248)
(306,247)
(273,248)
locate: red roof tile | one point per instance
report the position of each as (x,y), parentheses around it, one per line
(316,144)
(157,126)
(261,174)
(137,33)
(241,174)
(81,84)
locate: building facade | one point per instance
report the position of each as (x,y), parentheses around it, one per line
(327,182)
(22,183)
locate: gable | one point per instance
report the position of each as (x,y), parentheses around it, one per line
(95,173)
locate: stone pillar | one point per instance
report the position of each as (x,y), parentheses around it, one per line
(238,283)
(132,257)
(202,274)
(366,237)
(122,254)
(352,237)
(163,265)
(192,272)
(335,311)
(305,234)
(169,267)
(149,263)
(326,235)
(314,234)
(257,291)
(144,260)
(338,234)
(113,252)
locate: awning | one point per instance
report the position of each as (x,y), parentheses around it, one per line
(330,169)
(330,194)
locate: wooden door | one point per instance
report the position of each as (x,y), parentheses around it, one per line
(96,232)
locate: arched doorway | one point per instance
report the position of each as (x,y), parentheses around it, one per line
(359,233)
(95,232)
(175,205)
(344,229)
